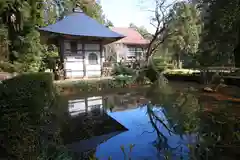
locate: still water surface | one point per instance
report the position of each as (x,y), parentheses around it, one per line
(173,122)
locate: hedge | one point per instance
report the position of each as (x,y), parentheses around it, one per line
(84,86)
(25,107)
(8,67)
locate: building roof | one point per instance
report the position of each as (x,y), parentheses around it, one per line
(131,36)
(79,24)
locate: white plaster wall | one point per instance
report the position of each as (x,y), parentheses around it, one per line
(73,66)
(74,62)
(74,74)
(93,70)
(93,73)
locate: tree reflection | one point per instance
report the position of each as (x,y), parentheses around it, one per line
(161,142)
(180,107)
(213,125)
(215,129)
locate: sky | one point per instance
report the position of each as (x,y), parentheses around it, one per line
(124,12)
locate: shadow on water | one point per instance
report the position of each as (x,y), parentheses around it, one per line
(175,121)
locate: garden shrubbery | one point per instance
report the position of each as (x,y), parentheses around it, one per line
(89,86)
(26,108)
(161,64)
(8,67)
(96,85)
(120,69)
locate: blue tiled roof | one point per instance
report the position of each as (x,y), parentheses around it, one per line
(79,24)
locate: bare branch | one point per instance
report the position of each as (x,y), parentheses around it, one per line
(160,22)
(115,51)
(158,43)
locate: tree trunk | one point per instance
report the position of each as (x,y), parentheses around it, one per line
(237,51)
(178,59)
(237,56)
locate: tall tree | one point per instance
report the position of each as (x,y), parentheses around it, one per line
(89,7)
(3,43)
(21,17)
(184,27)
(51,11)
(142,30)
(221,38)
(108,23)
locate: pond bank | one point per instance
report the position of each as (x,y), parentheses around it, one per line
(229,80)
(96,85)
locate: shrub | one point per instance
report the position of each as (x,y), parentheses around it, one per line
(170,66)
(123,80)
(120,69)
(7,67)
(25,105)
(151,73)
(160,63)
(54,153)
(30,51)
(96,85)
(86,86)
(49,58)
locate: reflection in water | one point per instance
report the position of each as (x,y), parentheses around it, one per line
(84,105)
(188,125)
(141,134)
(86,118)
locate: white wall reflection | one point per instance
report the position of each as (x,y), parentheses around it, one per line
(84,105)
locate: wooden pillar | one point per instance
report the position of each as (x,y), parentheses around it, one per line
(101,57)
(84,60)
(86,105)
(61,54)
(135,49)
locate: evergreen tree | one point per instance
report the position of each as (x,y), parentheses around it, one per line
(221,36)
(90,8)
(183,32)
(21,19)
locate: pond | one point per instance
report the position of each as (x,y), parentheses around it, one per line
(175,121)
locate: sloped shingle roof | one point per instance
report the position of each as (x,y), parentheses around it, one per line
(131,36)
